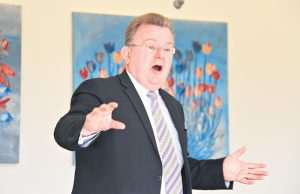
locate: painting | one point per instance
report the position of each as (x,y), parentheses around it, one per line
(198,78)
(10,72)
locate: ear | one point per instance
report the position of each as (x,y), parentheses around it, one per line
(126,54)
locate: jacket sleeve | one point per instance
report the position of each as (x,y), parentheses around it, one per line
(68,128)
(207,174)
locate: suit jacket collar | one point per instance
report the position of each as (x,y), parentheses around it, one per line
(139,107)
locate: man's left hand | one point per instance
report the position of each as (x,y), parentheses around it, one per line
(243,172)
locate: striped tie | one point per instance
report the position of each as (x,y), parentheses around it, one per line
(171,170)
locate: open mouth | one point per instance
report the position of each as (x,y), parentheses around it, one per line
(157,67)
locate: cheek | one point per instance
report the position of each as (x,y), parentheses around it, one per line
(169,64)
(142,60)
(147,60)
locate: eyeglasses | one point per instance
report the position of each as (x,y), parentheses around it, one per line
(152,49)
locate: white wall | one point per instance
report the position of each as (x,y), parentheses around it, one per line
(264,92)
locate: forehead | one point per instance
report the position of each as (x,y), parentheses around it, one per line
(155,33)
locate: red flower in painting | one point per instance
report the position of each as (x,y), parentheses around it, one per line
(211,89)
(170,81)
(7,70)
(3,104)
(84,73)
(202,87)
(216,75)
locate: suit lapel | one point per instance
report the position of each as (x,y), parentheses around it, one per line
(138,105)
(175,118)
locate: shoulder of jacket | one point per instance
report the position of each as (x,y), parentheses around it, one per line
(96,83)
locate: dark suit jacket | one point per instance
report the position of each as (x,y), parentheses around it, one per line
(127,161)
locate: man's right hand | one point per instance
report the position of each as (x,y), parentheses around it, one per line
(100,119)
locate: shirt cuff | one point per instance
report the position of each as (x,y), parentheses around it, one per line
(86,140)
(227,184)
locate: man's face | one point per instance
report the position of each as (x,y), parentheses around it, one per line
(149,55)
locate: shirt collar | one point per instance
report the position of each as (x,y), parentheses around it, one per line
(139,87)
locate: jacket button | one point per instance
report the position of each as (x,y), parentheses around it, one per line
(158,178)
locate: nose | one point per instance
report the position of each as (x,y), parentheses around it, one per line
(159,52)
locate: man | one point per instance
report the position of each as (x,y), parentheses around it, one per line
(129,135)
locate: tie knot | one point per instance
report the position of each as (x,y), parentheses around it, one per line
(152,96)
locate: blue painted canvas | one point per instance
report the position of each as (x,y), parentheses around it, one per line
(10,69)
(198,78)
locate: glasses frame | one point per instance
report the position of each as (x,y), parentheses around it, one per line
(156,49)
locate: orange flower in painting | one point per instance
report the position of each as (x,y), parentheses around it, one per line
(99,57)
(194,105)
(117,57)
(188,92)
(4,44)
(199,73)
(211,111)
(210,67)
(218,102)
(103,73)
(198,91)
(206,48)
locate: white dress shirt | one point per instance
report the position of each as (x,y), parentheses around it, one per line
(147,104)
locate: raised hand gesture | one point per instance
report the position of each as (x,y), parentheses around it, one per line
(100,119)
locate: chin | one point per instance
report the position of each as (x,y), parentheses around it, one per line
(155,86)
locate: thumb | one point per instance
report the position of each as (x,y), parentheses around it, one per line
(117,125)
(239,152)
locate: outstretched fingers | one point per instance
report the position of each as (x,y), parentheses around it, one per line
(117,125)
(255,177)
(247,181)
(256,165)
(250,173)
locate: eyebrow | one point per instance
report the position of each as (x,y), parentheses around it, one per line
(151,39)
